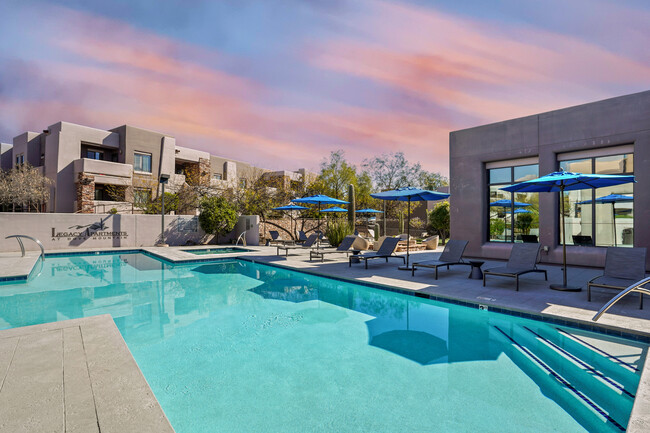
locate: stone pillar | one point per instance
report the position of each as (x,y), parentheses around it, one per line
(204,171)
(85,193)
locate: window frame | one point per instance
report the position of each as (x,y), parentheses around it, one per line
(497,166)
(592,159)
(142,154)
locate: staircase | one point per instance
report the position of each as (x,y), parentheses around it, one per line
(596,388)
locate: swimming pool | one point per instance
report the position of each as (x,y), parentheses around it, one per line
(240,346)
(221,250)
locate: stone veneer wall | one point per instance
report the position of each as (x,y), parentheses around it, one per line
(85,193)
(204,171)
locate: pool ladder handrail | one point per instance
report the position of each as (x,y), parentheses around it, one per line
(22,247)
(636,287)
(242,237)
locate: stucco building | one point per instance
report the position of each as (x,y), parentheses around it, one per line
(607,137)
(85,164)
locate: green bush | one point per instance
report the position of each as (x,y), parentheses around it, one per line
(337,231)
(218,216)
(439,221)
(113,211)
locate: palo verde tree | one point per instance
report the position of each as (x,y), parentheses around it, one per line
(218,216)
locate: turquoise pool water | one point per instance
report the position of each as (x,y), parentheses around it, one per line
(223,250)
(234,346)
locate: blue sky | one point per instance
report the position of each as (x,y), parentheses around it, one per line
(282,83)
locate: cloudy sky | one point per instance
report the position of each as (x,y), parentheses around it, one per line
(280,83)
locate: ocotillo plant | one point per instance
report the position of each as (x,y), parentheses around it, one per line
(352,207)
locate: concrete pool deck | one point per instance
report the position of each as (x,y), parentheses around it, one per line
(534,296)
(74,376)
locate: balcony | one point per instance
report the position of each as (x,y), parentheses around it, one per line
(106,172)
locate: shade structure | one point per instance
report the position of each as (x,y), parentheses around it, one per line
(334,209)
(409,194)
(523,211)
(291,207)
(613,199)
(561,181)
(369,211)
(319,199)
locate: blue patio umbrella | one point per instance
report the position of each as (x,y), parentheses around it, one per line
(561,181)
(369,211)
(508,203)
(334,209)
(409,194)
(319,199)
(291,208)
(523,211)
(613,199)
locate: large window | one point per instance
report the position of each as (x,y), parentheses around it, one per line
(602,216)
(513,217)
(142,162)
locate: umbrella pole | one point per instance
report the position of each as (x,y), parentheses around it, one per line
(564,286)
(614,221)
(408,238)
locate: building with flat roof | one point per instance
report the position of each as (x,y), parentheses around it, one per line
(607,137)
(84,163)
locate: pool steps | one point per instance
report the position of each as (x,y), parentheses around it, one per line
(567,370)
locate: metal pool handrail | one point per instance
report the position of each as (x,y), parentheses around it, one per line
(636,287)
(242,237)
(22,247)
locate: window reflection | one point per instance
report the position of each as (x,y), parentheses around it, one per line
(602,216)
(512,217)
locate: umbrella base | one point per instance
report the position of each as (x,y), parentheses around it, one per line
(563,288)
(405,268)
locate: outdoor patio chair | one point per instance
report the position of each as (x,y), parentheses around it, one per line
(302,237)
(523,259)
(307,245)
(275,238)
(451,255)
(344,247)
(386,251)
(584,241)
(623,267)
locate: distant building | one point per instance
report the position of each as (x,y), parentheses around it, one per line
(85,162)
(605,137)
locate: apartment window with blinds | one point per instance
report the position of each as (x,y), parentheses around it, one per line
(142,162)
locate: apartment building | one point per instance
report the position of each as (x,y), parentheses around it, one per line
(86,164)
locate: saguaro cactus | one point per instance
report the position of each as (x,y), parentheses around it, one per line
(352,207)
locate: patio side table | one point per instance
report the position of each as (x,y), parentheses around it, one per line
(476,273)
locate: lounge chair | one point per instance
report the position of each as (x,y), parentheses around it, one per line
(386,251)
(344,247)
(523,259)
(451,255)
(584,241)
(307,245)
(275,238)
(623,267)
(302,237)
